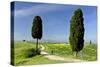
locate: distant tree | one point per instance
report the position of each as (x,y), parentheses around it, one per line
(76,37)
(36,31)
(24,40)
(90,42)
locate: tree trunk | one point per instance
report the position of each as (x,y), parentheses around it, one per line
(37,46)
(76,54)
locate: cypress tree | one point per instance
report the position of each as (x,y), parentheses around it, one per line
(76,37)
(36,31)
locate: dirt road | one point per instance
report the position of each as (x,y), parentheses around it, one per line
(57,58)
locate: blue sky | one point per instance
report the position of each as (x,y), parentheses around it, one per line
(56,21)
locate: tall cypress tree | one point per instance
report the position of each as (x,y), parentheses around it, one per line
(36,31)
(76,37)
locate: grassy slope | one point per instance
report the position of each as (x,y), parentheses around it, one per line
(23,50)
(89,52)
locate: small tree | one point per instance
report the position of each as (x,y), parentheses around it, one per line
(24,40)
(90,42)
(37,29)
(76,37)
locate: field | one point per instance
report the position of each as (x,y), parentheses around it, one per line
(23,53)
(89,52)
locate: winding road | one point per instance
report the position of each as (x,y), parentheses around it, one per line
(57,58)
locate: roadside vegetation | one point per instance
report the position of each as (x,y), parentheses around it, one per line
(24,53)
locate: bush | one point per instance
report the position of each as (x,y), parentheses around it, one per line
(32,52)
(38,52)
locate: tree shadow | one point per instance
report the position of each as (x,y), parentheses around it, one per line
(32,52)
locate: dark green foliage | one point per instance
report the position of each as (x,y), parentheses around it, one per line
(37,27)
(76,37)
(31,52)
(36,31)
(90,42)
(24,40)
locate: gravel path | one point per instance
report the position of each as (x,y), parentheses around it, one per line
(57,58)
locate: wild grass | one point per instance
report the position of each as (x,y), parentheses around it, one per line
(24,55)
(89,52)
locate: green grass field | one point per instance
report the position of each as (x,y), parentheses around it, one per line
(22,50)
(23,53)
(89,52)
